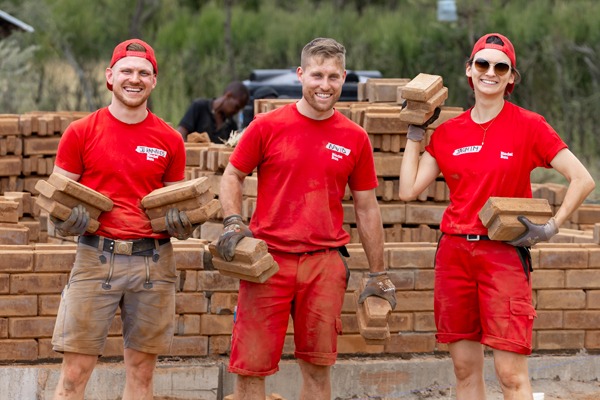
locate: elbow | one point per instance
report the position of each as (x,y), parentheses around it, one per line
(406,196)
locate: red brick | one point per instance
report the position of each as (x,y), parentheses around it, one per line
(189,346)
(548,319)
(352,344)
(585,279)
(191,303)
(411,343)
(210,280)
(18,260)
(548,279)
(48,304)
(349,323)
(349,305)
(37,283)
(32,327)
(560,299)
(18,306)
(53,260)
(188,280)
(412,257)
(9,125)
(582,319)
(4,283)
(189,257)
(188,325)
(403,280)
(424,322)
(219,345)
(10,166)
(594,257)
(424,279)
(358,259)
(593,299)
(14,234)
(3,328)
(45,351)
(563,258)
(223,303)
(592,339)
(216,324)
(414,300)
(40,146)
(18,350)
(560,340)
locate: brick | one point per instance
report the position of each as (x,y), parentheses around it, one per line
(412,257)
(560,340)
(187,280)
(258,272)
(499,215)
(211,324)
(387,164)
(13,234)
(402,322)
(196,216)
(247,251)
(560,299)
(548,319)
(188,324)
(37,283)
(191,303)
(113,347)
(9,125)
(62,212)
(48,304)
(214,281)
(584,279)
(593,299)
(79,191)
(19,259)
(352,344)
(21,328)
(189,346)
(430,214)
(563,258)
(349,324)
(411,343)
(183,205)
(3,328)
(223,303)
(18,306)
(45,351)
(378,123)
(176,193)
(357,259)
(384,89)
(548,279)
(18,350)
(414,300)
(190,257)
(402,280)
(424,322)
(4,283)
(10,165)
(47,190)
(424,279)
(436,100)
(592,340)
(586,214)
(422,87)
(219,345)
(594,257)
(582,319)
(40,146)
(9,211)
(53,260)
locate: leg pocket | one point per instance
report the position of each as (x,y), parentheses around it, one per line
(522,314)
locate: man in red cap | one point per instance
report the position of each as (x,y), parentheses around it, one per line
(482,287)
(124,152)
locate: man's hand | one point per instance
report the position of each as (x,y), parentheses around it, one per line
(380,285)
(75,225)
(178,224)
(234,230)
(535,233)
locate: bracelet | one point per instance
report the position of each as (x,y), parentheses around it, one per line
(374,274)
(229,219)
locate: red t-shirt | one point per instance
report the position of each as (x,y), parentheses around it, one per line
(304,166)
(124,162)
(516,142)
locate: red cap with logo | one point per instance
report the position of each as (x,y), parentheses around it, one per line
(507,48)
(121,52)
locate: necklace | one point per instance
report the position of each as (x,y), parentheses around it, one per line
(486,128)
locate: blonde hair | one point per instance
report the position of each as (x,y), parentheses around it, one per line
(323,48)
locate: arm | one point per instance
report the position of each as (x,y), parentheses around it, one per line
(581,183)
(183,131)
(370,228)
(66,173)
(416,175)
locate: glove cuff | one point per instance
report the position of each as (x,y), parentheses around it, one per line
(375,274)
(230,219)
(415,133)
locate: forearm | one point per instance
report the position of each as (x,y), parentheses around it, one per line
(370,231)
(230,193)
(577,192)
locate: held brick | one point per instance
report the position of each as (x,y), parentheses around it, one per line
(18,350)
(211,324)
(560,299)
(191,303)
(560,340)
(584,279)
(176,193)
(37,283)
(189,346)
(563,258)
(33,327)
(18,306)
(80,191)
(548,319)
(422,87)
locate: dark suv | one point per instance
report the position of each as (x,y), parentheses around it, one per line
(286,83)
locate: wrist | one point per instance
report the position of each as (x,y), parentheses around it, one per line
(230,219)
(375,274)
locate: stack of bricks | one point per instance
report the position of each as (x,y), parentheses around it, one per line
(251,261)
(59,195)
(499,215)
(192,196)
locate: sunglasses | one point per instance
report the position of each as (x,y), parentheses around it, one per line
(500,68)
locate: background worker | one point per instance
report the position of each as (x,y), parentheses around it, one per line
(123,151)
(263,92)
(215,116)
(482,293)
(306,153)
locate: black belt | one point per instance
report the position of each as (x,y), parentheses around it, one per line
(474,238)
(136,247)
(342,249)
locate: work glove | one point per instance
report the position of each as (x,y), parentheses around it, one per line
(178,224)
(75,225)
(234,230)
(535,233)
(380,285)
(416,133)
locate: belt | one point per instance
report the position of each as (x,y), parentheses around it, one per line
(474,238)
(342,249)
(137,247)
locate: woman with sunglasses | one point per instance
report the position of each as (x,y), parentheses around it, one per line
(482,294)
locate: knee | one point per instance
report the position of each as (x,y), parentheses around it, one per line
(511,379)
(464,370)
(74,376)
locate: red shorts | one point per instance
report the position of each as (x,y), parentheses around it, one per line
(310,288)
(483,293)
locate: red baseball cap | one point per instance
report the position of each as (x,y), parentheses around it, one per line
(507,48)
(121,52)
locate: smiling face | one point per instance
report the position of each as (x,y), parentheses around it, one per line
(489,82)
(322,80)
(132,80)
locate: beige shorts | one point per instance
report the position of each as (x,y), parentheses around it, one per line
(142,288)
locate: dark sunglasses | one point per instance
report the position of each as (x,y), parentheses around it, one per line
(500,68)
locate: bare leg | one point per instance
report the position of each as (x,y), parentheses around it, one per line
(75,373)
(511,370)
(467,357)
(249,388)
(139,373)
(316,381)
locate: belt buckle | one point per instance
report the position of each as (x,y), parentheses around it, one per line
(123,247)
(473,238)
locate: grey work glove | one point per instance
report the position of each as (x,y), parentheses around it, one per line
(178,224)
(380,285)
(234,230)
(535,233)
(75,225)
(416,133)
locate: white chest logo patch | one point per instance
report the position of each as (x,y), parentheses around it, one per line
(504,155)
(151,153)
(338,152)
(467,150)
